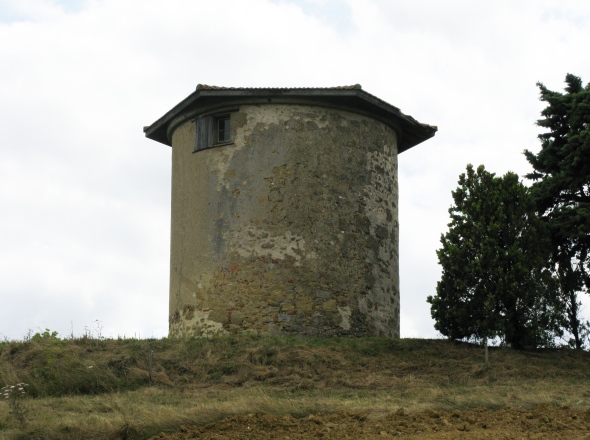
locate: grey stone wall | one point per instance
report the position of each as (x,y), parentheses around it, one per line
(291,229)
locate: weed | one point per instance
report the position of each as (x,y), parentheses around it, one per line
(228,369)
(15,395)
(47,335)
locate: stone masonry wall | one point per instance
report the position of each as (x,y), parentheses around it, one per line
(292,229)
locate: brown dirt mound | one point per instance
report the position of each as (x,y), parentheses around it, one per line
(544,422)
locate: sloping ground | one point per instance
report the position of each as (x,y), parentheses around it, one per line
(264,387)
(54,367)
(542,423)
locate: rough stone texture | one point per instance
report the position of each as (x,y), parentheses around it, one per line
(291,229)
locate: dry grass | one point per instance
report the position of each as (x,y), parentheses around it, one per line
(198,381)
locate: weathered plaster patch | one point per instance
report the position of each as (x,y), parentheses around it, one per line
(263,116)
(363,305)
(222,163)
(195,319)
(254,242)
(345,314)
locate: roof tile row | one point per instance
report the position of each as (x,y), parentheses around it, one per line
(208,87)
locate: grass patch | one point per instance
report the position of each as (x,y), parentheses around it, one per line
(85,388)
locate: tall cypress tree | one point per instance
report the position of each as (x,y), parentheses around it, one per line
(561,188)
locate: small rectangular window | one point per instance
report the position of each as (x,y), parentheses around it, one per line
(223,129)
(212,131)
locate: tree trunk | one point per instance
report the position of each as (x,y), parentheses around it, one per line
(574,318)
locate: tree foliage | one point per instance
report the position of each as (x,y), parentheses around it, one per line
(494,281)
(561,188)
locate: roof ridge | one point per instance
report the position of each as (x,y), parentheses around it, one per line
(209,87)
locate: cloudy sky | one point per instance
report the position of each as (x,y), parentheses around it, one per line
(85,198)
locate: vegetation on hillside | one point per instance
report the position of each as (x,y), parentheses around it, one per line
(101,388)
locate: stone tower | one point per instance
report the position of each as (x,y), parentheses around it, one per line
(284,210)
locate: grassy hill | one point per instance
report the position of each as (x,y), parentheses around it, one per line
(101,388)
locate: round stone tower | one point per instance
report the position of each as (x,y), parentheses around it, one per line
(284,211)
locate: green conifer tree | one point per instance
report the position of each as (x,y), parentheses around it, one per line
(494,278)
(561,190)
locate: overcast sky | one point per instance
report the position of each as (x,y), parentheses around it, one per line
(85,197)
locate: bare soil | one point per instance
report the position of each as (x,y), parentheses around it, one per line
(544,422)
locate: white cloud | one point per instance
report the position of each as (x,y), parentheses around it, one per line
(85,198)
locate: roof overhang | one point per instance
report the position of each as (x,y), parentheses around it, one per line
(349,98)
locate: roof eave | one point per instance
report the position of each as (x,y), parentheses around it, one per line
(411,132)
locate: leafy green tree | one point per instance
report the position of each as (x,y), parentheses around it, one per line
(494,279)
(561,190)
